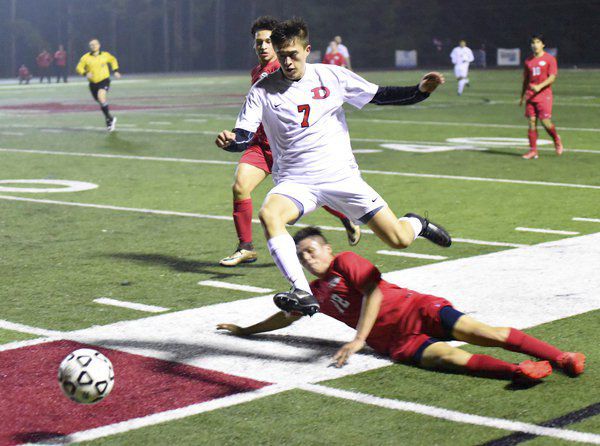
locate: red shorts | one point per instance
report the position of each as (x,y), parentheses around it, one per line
(421,323)
(541,108)
(258,156)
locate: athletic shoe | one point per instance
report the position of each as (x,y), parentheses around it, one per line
(572,363)
(352,231)
(297,301)
(529,372)
(240,256)
(433,232)
(558,146)
(532,154)
(112,124)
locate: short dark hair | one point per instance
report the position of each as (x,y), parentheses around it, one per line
(538,36)
(264,22)
(288,31)
(309,231)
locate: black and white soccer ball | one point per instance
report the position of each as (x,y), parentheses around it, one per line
(86,376)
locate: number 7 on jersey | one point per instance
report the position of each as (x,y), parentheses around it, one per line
(304,108)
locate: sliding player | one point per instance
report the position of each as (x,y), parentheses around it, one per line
(300,107)
(94,66)
(256,162)
(538,77)
(405,325)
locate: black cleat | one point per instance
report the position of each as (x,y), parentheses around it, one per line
(433,232)
(297,301)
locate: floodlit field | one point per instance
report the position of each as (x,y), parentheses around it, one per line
(153,218)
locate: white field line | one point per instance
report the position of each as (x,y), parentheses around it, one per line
(546,231)
(27,329)
(12,133)
(411,254)
(28,343)
(169,415)
(160,122)
(590,220)
(234,286)
(452,415)
(367,151)
(373,172)
(130,305)
(221,217)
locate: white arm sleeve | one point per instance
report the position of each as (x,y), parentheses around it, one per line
(250,115)
(470,57)
(357,91)
(453,57)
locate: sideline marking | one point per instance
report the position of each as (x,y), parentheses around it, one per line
(411,254)
(453,415)
(590,220)
(234,286)
(546,231)
(22,328)
(223,217)
(160,122)
(70,186)
(169,415)
(12,133)
(130,305)
(375,172)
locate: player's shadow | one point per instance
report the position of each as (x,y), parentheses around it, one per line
(35,437)
(500,152)
(183,265)
(120,144)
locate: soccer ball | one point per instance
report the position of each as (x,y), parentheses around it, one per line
(86,376)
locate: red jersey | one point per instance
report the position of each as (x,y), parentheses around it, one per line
(44,59)
(60,57)
(23,72)
(340,294)
(334,59)
(257,73)
(537,70)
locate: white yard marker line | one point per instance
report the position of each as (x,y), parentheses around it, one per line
(12,133)
(28,343)
(366,151)
(169,415)
(374,172)
(590,220)
(234,286)
(411,254)
(546,231)
(221,217)
(453,415)
(130,305)
(7,325)
(160,122)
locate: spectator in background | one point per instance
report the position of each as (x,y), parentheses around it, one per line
(60,62)
(343,51)
(24,74)
(333,56)
(44,60)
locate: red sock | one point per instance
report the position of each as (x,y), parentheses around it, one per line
(335,213)
(532,135)
(490,367)
(242,218)
(552,132)
(523,343)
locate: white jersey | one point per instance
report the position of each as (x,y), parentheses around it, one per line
(342,49)
(462,55)
(305,122)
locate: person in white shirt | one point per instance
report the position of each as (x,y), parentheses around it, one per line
(461,57)
(342,49)
(300,108)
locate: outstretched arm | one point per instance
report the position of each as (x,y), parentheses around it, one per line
(409,95)
(236,141)
(275,322)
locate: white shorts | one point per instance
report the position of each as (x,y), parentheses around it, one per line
(352,196)
(461,70)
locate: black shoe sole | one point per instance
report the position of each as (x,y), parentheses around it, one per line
(287,303)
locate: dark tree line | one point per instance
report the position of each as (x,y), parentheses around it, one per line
(181,35)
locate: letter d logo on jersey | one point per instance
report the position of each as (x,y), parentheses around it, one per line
(320,92)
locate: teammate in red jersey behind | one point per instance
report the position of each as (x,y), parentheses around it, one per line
(335,57)
(256,162)
(408,326)
(539,75)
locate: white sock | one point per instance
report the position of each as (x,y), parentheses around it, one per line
(461,85)
(283,251)
(415,223)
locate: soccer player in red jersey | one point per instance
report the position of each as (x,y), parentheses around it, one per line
(256,162)
(405,325)
(60,61)
(538,77)
(335,57)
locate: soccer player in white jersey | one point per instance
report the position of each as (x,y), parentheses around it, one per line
(461,57)
(300,108)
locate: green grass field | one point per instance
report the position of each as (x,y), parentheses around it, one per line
(56,258)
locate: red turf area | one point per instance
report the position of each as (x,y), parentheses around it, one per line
(33,408)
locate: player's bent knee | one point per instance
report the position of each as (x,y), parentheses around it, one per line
(240,189)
